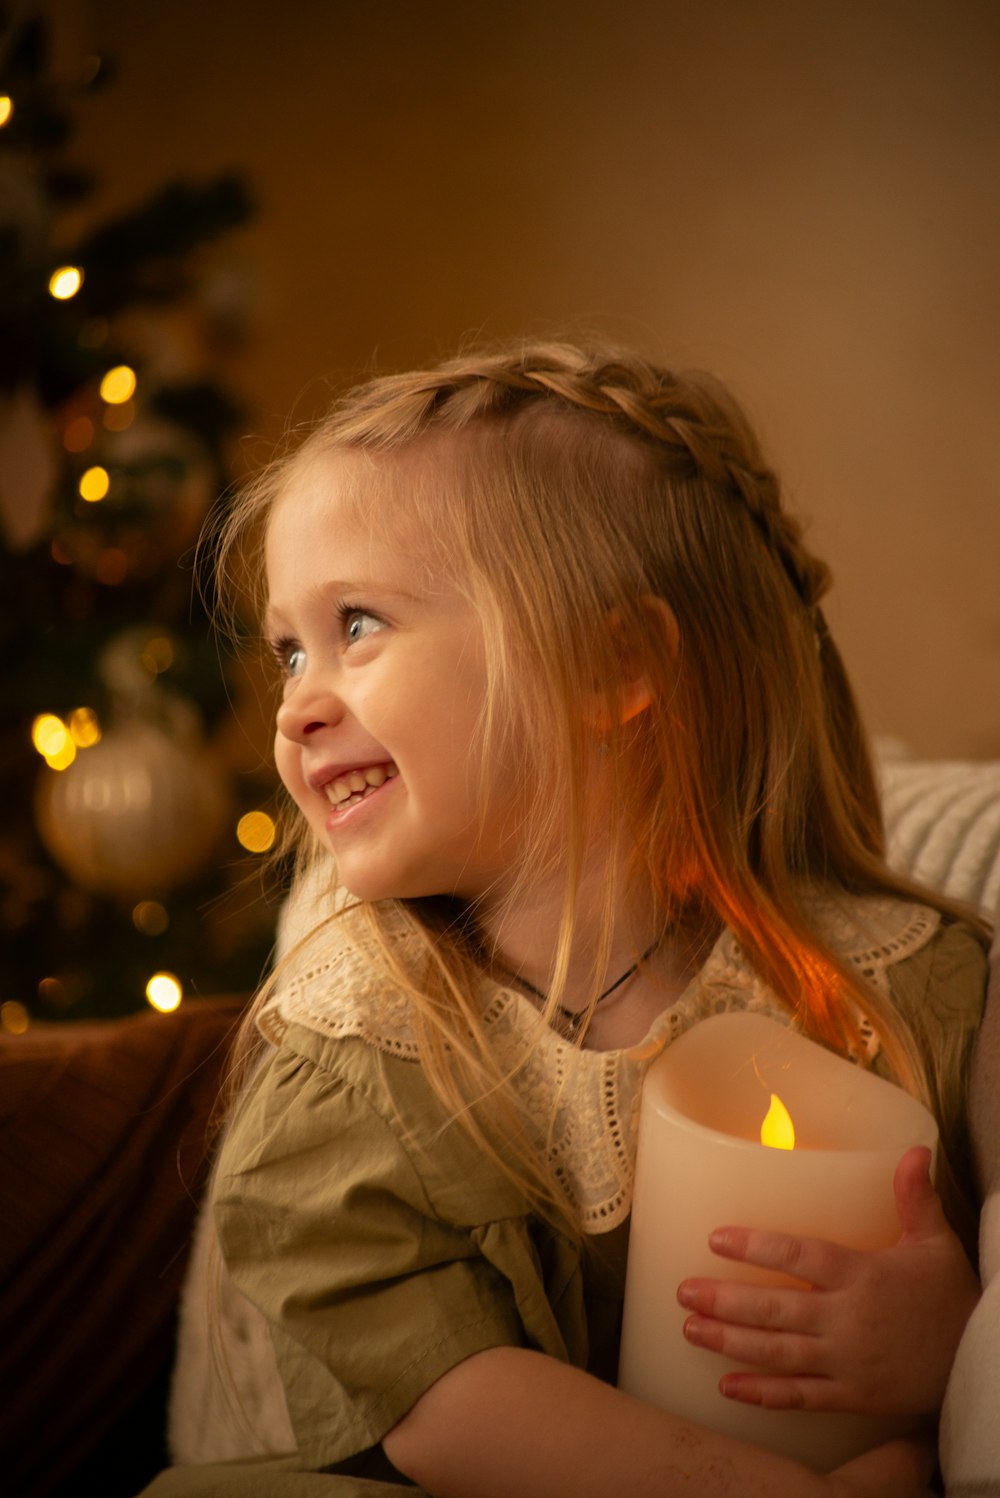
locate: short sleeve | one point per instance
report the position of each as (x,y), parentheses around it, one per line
(940,992)
(380,1245)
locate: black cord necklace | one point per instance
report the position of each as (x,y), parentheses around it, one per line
(572,1019)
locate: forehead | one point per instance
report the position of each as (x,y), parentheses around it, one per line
(361,509)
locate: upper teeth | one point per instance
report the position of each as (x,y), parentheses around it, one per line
(357,781)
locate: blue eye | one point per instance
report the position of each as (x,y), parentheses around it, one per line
(358,623)
(291,657)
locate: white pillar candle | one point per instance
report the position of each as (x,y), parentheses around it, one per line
(701,1165)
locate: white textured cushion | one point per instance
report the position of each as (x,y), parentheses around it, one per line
(943,825)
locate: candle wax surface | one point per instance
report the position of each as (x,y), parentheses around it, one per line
(700,1165)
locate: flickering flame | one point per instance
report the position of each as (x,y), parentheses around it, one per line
(776,1130)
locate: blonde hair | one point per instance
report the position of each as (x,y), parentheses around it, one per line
(573,485)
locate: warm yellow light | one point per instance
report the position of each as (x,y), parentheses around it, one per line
(256,831)
(118,385)
(94,484)
(150,917)
(52,739)
(48,733)
(84,728)
(164,992)
(6,108)
(776,1131)
(65,282)
(158,654)
(14,1018)
(62,758)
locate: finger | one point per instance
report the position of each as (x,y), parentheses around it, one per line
(778,1352)
(918,1205)
(784,1393)
(765,1306)
(812,1260)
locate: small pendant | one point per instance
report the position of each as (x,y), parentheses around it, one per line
(570,1023)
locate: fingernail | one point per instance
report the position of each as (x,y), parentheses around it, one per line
(686,1294)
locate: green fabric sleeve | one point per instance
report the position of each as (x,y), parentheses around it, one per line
(940,993)
(378,1242)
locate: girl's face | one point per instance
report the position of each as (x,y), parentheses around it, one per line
(384,672)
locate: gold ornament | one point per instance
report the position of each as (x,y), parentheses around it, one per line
(138,813)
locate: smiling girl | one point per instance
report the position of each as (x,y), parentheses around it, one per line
(575,764)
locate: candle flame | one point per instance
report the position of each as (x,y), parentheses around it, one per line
(776,1131)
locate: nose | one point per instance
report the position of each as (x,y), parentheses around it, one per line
(309,706)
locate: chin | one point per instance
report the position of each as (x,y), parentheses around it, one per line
(365,884)
(372,885)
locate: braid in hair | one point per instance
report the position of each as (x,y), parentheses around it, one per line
(689,419)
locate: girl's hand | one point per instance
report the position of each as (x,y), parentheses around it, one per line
(874,1332)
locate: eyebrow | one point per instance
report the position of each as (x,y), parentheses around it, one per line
(320,594)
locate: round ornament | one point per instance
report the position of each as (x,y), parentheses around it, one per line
(137,814)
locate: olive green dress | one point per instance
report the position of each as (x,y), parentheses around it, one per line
(384,1248)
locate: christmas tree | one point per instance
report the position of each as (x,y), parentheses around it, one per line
(131,847)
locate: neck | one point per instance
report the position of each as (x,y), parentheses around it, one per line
(522,937)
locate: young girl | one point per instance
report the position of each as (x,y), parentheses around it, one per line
(576,765)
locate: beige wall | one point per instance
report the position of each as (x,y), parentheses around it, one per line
(800,194)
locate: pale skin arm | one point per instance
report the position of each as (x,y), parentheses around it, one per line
(876,1332)
(509,1420)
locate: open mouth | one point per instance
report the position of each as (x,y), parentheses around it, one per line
(348,790)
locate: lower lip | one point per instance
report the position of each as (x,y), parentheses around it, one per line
(338,816)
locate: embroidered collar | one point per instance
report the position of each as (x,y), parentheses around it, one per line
(585,1102)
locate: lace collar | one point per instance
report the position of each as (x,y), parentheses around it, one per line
(586,1103)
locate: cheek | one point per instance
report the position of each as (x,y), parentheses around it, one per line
(286,762)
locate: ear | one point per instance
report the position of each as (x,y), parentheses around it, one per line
(634,690)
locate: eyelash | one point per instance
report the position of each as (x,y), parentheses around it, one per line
(282,649)
(345,610)
(285,647)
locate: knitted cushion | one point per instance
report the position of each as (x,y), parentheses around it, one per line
(943,825)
